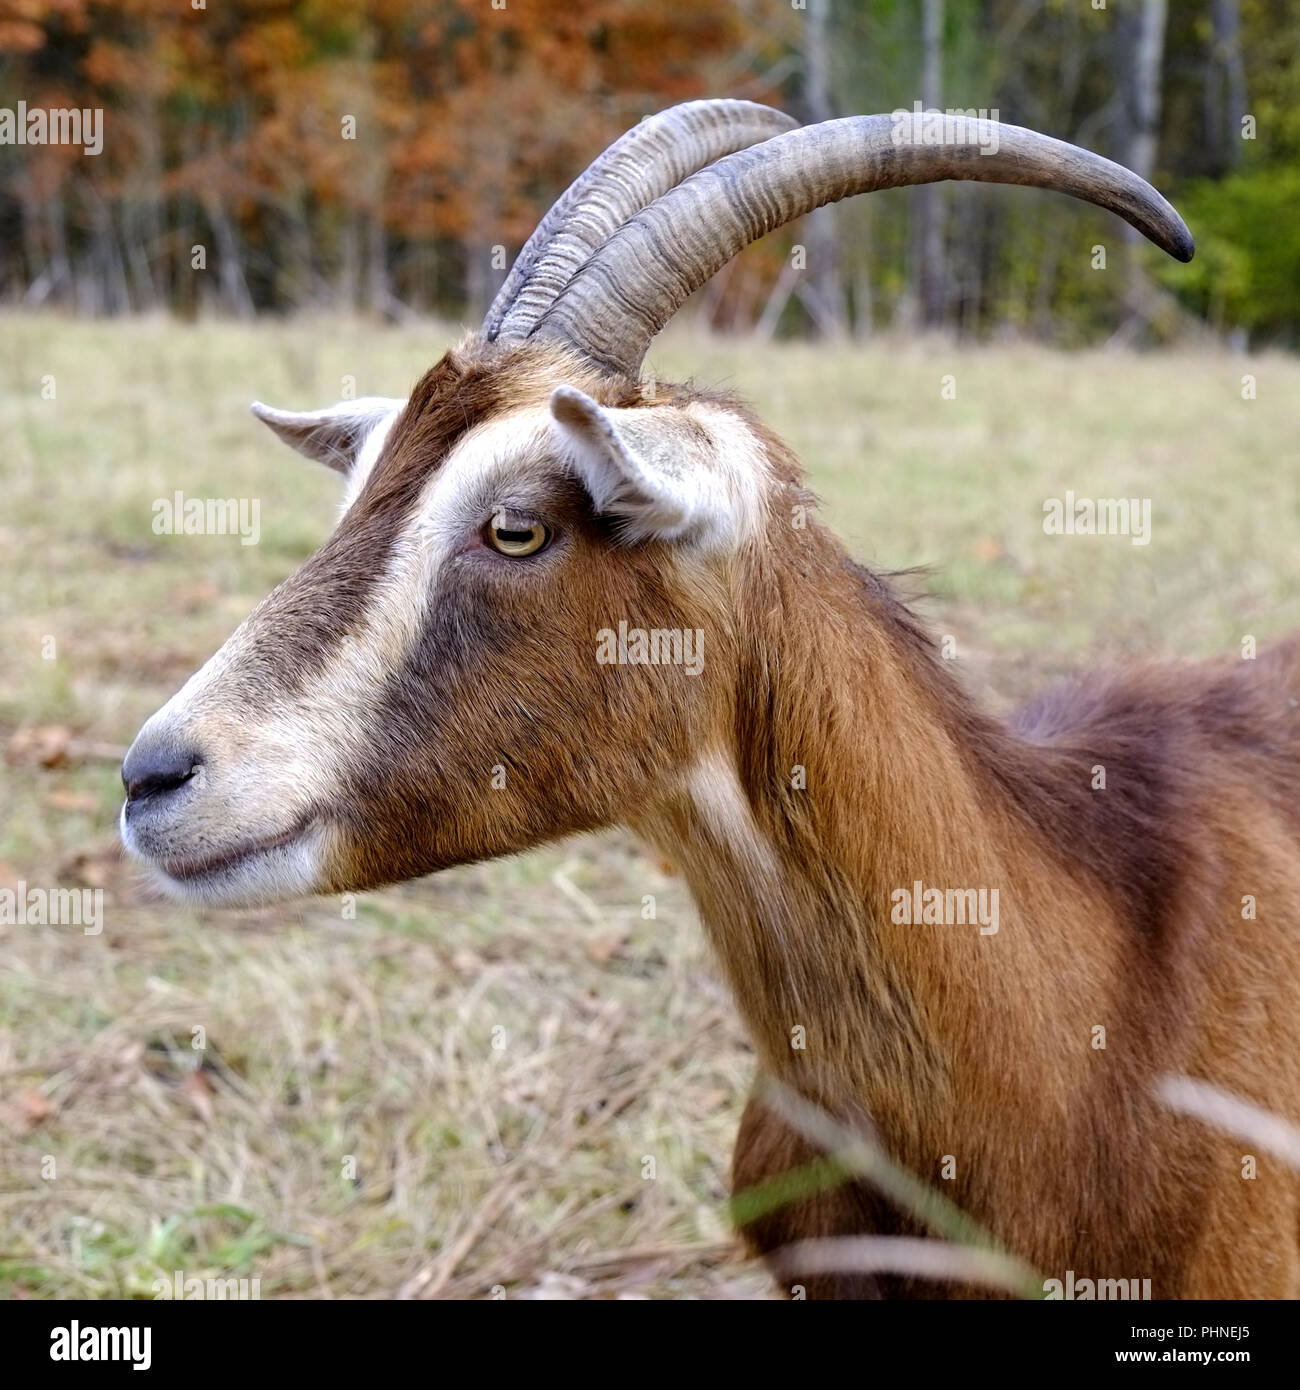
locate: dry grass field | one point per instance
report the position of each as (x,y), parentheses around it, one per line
(458,1087)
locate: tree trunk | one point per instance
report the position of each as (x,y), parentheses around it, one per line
(1141,35)
(230,266)
(823,292)
(1225,87)
(929,199)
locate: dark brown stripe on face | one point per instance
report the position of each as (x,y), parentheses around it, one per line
(297,630)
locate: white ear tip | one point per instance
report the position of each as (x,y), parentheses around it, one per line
(277,419)
(571,405)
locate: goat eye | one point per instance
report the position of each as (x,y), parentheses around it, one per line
(516,541)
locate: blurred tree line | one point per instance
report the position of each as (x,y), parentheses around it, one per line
(391,155)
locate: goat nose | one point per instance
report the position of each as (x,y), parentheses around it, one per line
(155,770)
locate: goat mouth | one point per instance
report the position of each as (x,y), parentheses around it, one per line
(194,868)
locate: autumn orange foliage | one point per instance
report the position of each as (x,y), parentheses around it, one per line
(386,145)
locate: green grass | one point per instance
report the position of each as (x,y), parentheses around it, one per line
(349,1128)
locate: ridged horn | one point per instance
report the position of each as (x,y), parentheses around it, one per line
(637,168)
(616,303)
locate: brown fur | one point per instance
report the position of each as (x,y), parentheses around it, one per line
(1120,908)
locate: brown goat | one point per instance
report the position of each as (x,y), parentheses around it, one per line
(429,689)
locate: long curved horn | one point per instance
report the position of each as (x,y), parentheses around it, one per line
(612,308)
(637,168)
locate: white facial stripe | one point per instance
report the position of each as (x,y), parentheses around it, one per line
(327,724)
(330,712)
(475,473)
(327,720)
(367,457)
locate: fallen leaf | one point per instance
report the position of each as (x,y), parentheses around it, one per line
(101,867)
(602,948)
(710,1100)
(53,745)
(28,1109)
(42,745)
(198,1091)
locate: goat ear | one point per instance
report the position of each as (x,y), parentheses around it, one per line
(668,472)
(332,436)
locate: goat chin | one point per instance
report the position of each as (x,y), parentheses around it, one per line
(243,877)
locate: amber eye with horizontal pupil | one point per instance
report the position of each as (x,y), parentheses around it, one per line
(517,540)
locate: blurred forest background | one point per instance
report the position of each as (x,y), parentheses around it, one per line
(390,156)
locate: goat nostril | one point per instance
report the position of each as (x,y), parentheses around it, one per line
(157,771)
